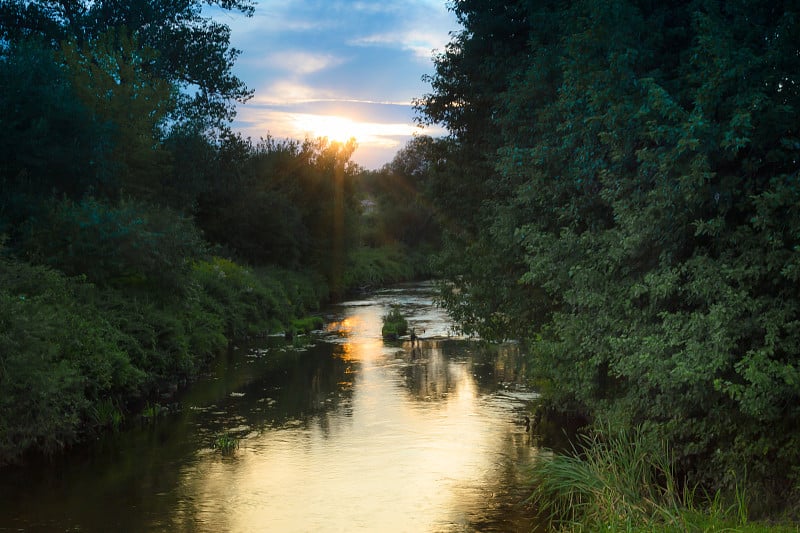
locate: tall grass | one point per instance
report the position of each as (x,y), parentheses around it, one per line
(625,481)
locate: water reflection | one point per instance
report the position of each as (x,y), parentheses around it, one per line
(348,434)
(394,438)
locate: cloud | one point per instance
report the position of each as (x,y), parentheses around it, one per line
(299,62)
(337,66)
(419,42)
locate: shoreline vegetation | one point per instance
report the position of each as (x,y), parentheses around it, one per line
(81,359)
(623,481)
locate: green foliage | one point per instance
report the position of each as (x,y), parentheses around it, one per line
(394,324)
(58,356)
(111,76)
(398,212)
(194,56)
(284,203)
(249,304)
(152,412)
(307,324)
(129,244)
(49,140)
(630,206)
(376,267)
(107,413)
(624,482)
(225,443)
(74,355)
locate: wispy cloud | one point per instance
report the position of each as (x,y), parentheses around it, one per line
(299,62)
(421,43)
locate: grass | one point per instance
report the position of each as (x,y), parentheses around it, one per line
(106,413)
(152,411)
(622,481)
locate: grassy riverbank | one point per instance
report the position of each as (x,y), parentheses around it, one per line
(624,481)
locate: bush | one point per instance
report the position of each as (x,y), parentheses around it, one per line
(250,304)
(58,356)
(126,245)
(374,267)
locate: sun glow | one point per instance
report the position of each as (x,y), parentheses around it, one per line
(335,128)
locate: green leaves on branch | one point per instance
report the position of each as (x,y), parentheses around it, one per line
(643,219)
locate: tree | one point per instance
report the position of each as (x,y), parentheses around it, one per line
(194,52)
(402,214)
(651,190)
(111,78)
(50,142)
(472,77)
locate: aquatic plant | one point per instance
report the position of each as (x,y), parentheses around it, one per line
(226,443)
(307,324)
(394,324)
(106,413)
(152,411)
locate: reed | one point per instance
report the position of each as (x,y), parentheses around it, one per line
(623,481)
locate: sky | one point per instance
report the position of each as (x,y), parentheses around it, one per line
(338,69)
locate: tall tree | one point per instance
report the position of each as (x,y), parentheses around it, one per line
(469,86)
(194,50)
(650,150)
(50,141)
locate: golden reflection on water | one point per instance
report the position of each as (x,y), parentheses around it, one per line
(416,449)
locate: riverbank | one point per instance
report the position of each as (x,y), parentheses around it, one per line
(624,481)
(79,359)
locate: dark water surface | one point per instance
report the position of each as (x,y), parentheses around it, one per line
(347,434)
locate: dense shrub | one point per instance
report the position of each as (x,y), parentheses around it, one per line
(125,244)
(394,324)
(250,304)
(374,267)
(72,355)
(58,355)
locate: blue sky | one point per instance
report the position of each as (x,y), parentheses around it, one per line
(338,68)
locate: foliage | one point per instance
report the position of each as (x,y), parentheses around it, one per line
(225,443)
(400,214)
(75,356)
(128,244)
(394,324)
(152,412)
(49,139)
(630,206)
(375,267)
(58,356)
(111,77)
(307,324)
(624,482)
(194,56)
(283,202)
(249,304)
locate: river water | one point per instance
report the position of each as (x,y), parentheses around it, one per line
(347,433)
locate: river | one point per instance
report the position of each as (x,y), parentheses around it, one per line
(345,433)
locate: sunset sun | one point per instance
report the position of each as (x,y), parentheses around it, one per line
(335,128)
